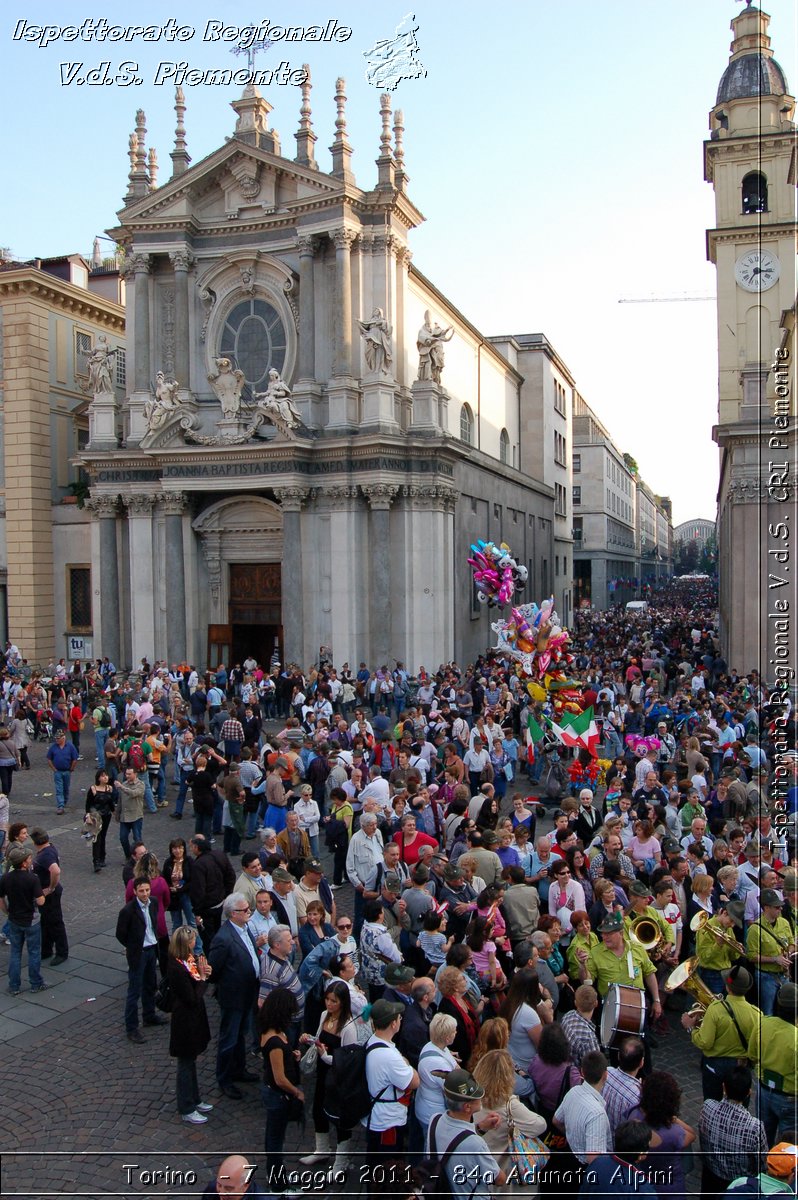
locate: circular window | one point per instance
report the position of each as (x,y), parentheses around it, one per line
(253,336)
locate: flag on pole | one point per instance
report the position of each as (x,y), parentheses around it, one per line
(535,731)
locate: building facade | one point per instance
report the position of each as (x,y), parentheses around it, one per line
(54,313)
(750,161)
(623,537)
(312,435)
(698,530)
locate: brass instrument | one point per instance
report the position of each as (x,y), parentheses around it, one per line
(686,976)
(720,935)
(646,933)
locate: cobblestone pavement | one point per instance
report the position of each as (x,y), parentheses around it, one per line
(92,1114)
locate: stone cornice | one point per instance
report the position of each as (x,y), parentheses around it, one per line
(38,285)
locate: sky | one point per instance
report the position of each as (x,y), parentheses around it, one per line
(554,149)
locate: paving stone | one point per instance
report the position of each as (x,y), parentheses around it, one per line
(95,972)
(10,1028)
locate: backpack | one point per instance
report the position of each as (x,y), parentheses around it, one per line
(346,1096)
(430,1176)
(136,758)
(105,719)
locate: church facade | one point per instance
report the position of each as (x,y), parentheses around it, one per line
(312,434)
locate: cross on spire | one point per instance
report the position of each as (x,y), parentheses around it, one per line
(251,50)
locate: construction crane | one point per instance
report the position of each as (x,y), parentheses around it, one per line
(685,299)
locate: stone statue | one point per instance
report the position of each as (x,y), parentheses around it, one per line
(228,385)
(430,340)
(158,409)
(377,333)
(100,359)
(276,402)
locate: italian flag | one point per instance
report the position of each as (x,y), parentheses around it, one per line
(578,730)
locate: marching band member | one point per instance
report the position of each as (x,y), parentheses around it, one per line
(724,1031)
(715,956)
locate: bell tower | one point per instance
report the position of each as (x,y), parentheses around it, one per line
(748,159)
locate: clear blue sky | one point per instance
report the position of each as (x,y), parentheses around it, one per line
(555,150)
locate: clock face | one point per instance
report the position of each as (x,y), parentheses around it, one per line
(756,271)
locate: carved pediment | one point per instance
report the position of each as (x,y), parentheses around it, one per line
(236,182)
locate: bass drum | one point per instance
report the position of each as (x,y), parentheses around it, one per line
(624,1013)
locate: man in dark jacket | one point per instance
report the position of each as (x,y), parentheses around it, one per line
(414,1032)
(135,929)
(212,878)
(236,971)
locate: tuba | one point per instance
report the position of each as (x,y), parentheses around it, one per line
(647,934)
(686,976)
(720,935)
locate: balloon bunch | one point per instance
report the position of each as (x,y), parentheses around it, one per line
(532,634)
(496,573)
(641,745)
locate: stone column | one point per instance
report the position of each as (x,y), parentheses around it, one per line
(307,392)
(342,389)
(343,239)
(291,500)
(139,265)
(380,497)
(104,510)
(142,577)
(174,505)
(182,261)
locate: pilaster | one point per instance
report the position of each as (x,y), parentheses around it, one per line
(291,500)
(139,507)
(182,262)
(104,509)
(174,505)
(380,497)
(139,266)
(342,390)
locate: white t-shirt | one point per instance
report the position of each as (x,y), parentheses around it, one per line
(386,1069)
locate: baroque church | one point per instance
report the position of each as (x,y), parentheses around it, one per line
(312,434)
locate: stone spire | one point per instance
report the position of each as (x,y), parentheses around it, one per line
(140,177)
(341,150)
(385,163)
(399,148)
(152,166)
(252,125)
(180,156)
(305,137)
(96,254)
(132,149)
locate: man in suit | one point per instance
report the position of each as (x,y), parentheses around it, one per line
(135,929)
(236,971)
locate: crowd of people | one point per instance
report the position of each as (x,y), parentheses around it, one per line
(371,885)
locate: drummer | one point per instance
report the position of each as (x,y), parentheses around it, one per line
(618,960)
(714,956)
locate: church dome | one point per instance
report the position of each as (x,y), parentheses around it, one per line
(751,75)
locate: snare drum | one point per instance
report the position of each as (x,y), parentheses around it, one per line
(624,1012)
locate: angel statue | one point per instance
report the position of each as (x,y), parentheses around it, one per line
(276,402)
(377,333)
(430,340)
(159,408)
(228,385)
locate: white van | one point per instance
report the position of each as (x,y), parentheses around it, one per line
(634,605)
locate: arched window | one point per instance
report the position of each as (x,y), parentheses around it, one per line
(253,336)
(504,447)
(755,193)
(466,425)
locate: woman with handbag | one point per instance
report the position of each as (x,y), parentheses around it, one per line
(515,1141)
(336,1028)
(101,798)
(190,1033)
(9,761)
(283,1097)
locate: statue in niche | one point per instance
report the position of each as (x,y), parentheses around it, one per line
(160,407)
(100,360)
(276,403)
(227,383)
(377,333)
(430,341)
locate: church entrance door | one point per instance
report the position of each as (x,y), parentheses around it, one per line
(255,612)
